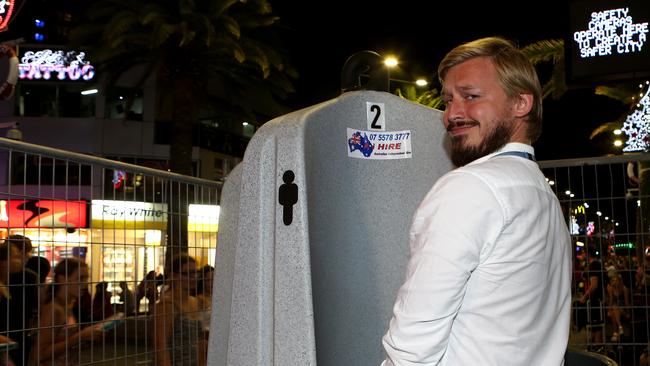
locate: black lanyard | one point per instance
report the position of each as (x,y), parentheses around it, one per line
(521,154)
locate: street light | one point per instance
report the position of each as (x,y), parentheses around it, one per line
(377,70)
(421,82)
(390,61)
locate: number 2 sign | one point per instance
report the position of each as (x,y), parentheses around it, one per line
(375,115)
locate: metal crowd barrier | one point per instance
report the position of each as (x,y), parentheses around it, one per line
(606,202)
(132,228)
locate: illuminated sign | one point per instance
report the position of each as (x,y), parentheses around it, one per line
(624,245)
(128,214)
(574,228)
(42,213)
(55,64)
(611,31)
(203,218)
(6,8)
(607,40)
(579,210)
(107,214)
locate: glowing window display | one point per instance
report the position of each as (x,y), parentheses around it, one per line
(42,213)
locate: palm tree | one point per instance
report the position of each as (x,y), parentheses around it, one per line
(430,98)
(200,53)
(545,51)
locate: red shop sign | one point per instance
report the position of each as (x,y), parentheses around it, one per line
(6,10)
(42,213)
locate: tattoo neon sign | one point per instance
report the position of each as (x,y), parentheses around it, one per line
(61,65)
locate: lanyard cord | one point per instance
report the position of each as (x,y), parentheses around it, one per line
(521,154)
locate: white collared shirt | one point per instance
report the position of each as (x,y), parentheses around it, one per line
(488,281)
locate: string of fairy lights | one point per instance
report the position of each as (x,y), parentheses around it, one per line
(637,123)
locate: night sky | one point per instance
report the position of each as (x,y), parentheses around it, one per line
(321,36)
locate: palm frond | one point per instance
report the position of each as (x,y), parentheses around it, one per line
(622,94)
(605,127)
(229,24)
(545,50)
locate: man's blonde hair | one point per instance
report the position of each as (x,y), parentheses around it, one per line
(516,74)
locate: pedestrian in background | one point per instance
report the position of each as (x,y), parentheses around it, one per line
(102,306)
(148,289)
(58,335)
(24,291)
(7,265)
(592,299)
(204,294)
(179,338)
(127,298)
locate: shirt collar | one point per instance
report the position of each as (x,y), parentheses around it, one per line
(511,146)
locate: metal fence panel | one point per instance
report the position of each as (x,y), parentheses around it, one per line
(606,203)
(103,262)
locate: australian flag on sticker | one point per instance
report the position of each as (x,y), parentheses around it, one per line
(361,143)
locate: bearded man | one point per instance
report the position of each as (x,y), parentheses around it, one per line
(488,280)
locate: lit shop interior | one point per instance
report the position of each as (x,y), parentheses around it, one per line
(122,240)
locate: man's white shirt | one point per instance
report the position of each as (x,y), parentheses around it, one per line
(488,280)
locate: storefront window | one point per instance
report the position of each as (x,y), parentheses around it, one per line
(54,100)
(117,99)
(55,244)
(202,228)
(128,236)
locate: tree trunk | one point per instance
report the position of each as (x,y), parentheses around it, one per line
(643,212)
(180,161)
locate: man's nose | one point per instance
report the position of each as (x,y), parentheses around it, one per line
(455,111)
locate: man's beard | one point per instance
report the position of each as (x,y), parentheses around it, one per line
(461,154)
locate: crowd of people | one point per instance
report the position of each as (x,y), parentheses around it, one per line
(611,298)
(48,314)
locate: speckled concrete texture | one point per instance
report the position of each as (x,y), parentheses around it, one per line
(321,289)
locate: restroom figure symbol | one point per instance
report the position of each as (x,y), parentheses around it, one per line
(288,196)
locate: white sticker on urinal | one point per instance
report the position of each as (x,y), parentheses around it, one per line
(379,145)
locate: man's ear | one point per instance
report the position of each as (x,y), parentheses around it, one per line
(523,104)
